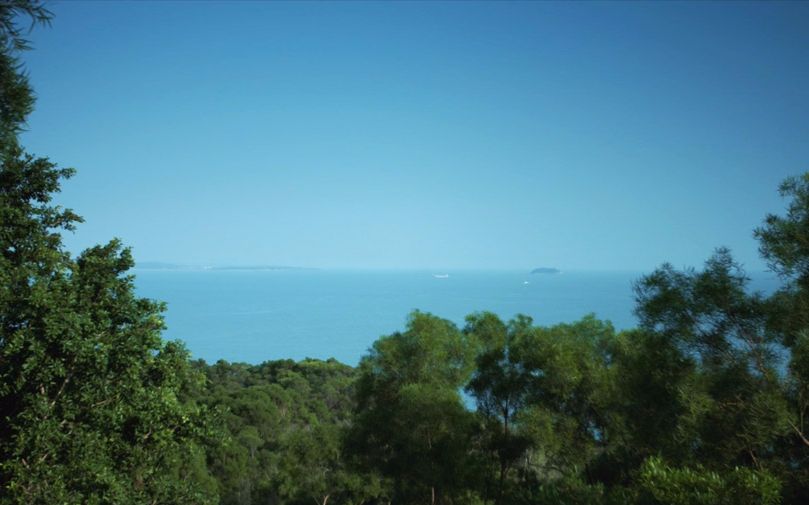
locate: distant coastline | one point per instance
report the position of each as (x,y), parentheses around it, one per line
(156,265)
(546,270)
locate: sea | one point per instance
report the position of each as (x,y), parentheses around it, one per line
(254,316)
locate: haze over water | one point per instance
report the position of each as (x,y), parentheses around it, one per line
(254,316)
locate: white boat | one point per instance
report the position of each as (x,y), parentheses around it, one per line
(441,276)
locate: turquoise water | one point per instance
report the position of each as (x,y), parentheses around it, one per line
(253,316)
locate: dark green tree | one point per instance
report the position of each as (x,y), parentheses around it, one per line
(713,319)
(500,386)
(93,402)
(654,400)
(411,423)
(784,243)
(16,96)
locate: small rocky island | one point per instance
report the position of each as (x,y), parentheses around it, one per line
(546,270)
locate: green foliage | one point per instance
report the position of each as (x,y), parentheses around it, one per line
(705,403)
(712,319)
(90,393)
(784,240)
(569,490)
(569,387)
(91,397)
(16,96)
(411,424)
(286,424)
(500,387)
(709,314)
(660,484)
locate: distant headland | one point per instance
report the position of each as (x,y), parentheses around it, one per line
(546,270)
(155,265)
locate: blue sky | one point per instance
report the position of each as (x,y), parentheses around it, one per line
(605,136)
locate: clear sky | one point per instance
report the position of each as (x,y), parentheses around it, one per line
(424,135)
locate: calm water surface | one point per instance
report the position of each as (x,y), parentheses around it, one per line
(253,316)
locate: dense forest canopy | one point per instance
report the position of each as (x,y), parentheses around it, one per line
(704,403)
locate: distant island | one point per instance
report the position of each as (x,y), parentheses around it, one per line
(545,270)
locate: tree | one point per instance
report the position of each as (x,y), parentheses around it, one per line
(712,319)
(654,400)
(16,97)
(784,240)
(411,424)
(784,243)
(92,399)
(661,484)
(500,385)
